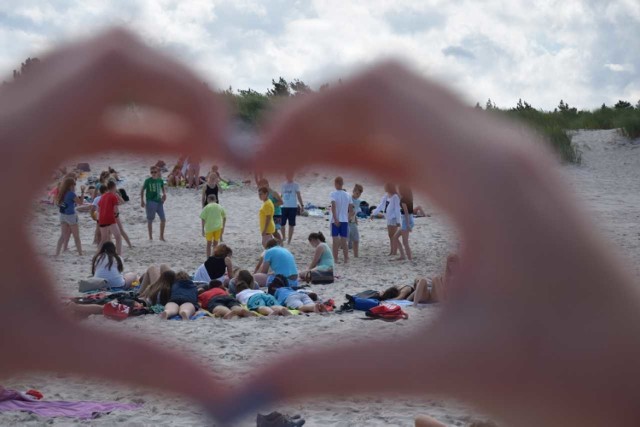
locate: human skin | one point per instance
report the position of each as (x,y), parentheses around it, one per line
(527,333)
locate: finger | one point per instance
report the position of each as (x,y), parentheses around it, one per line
(77,84)
(73,349)
(369,367)
(399,126)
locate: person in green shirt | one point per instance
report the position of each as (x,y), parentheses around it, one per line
(155,198)
(214,220)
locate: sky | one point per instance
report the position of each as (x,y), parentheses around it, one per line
(584,52)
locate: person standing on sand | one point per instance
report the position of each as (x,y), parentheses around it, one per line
(153,186)
(290,197)
(67,201)
(354,234)
(341,210)
(214,220)
(107,214)
(265,216)
(390,204)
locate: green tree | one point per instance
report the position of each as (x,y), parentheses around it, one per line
(622,105)
(490,105)
(280,88)
(299,87)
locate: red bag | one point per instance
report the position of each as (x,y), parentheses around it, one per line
(387,311)
(116,311)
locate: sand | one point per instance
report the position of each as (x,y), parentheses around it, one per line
(608,182)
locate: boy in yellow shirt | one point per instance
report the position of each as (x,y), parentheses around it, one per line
(214,220)
(267,226)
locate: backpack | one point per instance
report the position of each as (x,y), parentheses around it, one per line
(124,194)
(387,311)
(358,303)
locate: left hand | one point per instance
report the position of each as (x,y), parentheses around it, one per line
(57,112)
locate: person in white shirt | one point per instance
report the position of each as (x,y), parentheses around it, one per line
(341,210)
(390,203)
(290,191)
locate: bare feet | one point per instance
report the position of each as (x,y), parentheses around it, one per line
(184,315)
(163,315)
(162,238)
(399,259)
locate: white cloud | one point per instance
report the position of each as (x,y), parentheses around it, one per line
(504,50)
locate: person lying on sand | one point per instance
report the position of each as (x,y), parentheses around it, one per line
(259,301)
(216,299)
(183,299)
(291,298)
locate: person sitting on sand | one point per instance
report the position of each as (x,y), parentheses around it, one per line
(280,261)
(219,266)
(434,290)
(216,299)
(322,263)
(258,300)
(290,298)
(183,299)
(107,265)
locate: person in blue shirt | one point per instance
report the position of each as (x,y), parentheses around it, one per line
(280,288)
(280,261)
(67,201)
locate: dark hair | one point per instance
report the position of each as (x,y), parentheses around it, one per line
(317,236)
(244,277)
(215,284)
(108,249)
(389,293)
(279,281)
(103,189)
(212,198)
(272,243)
(241,286)
(263,190)
(111,184)
(222,250)
(358,187)
(104,175)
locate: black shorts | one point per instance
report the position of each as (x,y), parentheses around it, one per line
(225,301)
(289,214)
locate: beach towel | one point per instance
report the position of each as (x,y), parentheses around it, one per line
(11,400)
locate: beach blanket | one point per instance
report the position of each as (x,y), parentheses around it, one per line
(11,400)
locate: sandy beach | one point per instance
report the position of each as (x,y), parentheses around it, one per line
(607,182)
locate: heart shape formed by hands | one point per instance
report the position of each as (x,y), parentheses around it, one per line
(518,331)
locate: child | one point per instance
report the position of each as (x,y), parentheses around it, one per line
(354,234)
(290,198)
(67,201)
(293,299)
(277,206)
(214,220)
(210,188)
(390,203)
(183,299)
(258,300)
(218,301)
(267,226)
(94,214)
(406,223)
(108,208)
(153,186)
(341,211)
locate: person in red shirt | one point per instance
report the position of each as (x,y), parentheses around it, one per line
(108,211)
(218,301)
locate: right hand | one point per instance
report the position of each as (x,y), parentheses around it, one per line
(541,361)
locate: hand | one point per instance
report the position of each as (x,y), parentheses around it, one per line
(527,333)
(336,222)
(164,198)
(67,97)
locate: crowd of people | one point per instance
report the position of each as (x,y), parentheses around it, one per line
(217,285)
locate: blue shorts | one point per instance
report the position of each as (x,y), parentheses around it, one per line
(289,214)
(261,300)
(154,208)
(277,220)
(340,231)
(404,222)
